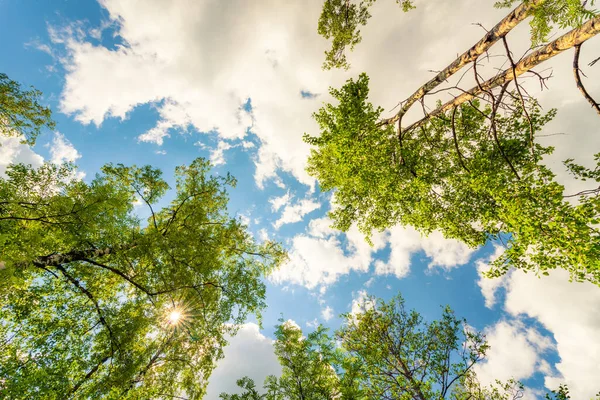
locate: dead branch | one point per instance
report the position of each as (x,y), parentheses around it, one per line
(501,29)
(579,83)
(460,157)
(565,42)
(514,69)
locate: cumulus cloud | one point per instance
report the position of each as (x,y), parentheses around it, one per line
(321,255)
(359,303)
(318,257)
(568,310)
(249,353)
(327,313)
(279,201)
(489,286)
(515,352)
(295,212)
(198,64)
(12,151)
(62,150)
(312,324)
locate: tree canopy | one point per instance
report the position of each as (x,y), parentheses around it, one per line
(96,303)
(472,173)
(382,352)
(21,113)
(471,167)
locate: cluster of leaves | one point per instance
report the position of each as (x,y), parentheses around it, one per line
(550,13)
(382,352)
(95,303)
(340,21)
(21,114)
(474,174)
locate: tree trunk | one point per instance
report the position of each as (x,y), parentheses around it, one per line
(565,42)
(496,33)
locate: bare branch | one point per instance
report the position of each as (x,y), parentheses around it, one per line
(496,33)
(460,157)
(565,42)
(580,86)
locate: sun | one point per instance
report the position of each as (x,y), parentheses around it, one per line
(174,317)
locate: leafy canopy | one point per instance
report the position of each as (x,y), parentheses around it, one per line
(382,352)
(340,21)
(474,174)
(551,13)
(95,303)
(21,114)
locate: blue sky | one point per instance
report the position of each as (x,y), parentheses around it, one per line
(163,82)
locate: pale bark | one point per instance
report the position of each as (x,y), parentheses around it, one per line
(499,31)
(565,42)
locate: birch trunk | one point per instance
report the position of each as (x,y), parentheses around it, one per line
(565,42)
(499,31)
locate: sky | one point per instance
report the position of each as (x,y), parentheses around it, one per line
(162,82)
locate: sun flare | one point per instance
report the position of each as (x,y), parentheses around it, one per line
(174,317)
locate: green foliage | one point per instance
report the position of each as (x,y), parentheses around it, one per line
(550,13)
(249,391)
(403,357)
(340,21)
(306,364)
(21,114)
(382,352)
(472,173)
(561,394)
(95,303)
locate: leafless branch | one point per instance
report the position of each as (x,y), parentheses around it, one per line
(579,83)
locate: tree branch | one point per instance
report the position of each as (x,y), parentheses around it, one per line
(580,86)
(565,42)
(501,29)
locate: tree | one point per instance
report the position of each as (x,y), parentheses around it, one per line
(311,369)
(403,357)
(21,114)
(382,352)
(307,371)
(470,167)
(95,303)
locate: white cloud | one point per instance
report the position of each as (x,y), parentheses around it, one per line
(327,313)
(62,150)
(279,201)
(312,324)
(244,219)
(489,286)
(198,64)
(263,234)
(444,253)
(360,303)
(570,312)
(290,323)
(13,152)
(295,212)
(321,255)
(249,353)
(515,352)
(217,155)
